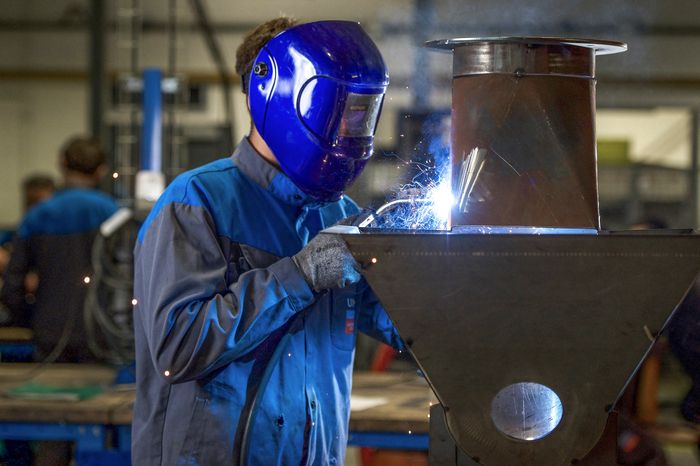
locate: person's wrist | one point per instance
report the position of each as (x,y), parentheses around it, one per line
(301,265)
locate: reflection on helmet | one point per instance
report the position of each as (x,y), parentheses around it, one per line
(316,92)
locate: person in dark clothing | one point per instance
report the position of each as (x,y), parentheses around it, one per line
(36,189)
(684,338)
(55,241)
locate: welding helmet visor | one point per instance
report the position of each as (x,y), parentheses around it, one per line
(333,110)
(318,102)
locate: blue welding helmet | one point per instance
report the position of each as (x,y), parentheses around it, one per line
(316,91)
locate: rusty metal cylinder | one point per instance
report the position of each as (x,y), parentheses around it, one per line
(523,131)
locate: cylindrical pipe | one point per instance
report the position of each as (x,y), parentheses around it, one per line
(523,131)
(152,132)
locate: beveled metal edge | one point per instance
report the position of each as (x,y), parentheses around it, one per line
(601,47)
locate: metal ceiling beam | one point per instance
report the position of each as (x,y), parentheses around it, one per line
(554,29)
(148,26)
(439,29)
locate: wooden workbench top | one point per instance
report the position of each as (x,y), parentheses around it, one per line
(407,402)
(389,402)
(15,334)
(95,410)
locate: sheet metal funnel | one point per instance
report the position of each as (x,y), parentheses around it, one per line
(572,313)
(526,339)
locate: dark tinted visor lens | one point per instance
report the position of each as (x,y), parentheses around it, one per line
(360,115)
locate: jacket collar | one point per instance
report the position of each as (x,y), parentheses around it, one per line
(268,177)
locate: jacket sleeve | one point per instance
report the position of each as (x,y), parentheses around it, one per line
(12,296)
(374,321)
(195,319)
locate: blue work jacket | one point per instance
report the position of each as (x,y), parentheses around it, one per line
(217,294)
(55,240)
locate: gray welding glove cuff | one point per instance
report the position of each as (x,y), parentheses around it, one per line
(326,263)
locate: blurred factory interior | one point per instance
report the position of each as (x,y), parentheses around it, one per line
(76,67)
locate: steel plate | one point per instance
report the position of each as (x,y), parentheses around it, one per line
(571,312)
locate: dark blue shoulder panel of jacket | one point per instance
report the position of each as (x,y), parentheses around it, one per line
(69,211)
(230,196)
(181,191)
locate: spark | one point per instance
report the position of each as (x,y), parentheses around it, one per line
(166,373)
(417,207)
(115,175)
(134,302)
(425,202)
(86,280)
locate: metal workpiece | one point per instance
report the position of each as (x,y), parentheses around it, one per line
(528,145)
(523,131)
(525,318)
(526,55)
(523,60)
(527,339)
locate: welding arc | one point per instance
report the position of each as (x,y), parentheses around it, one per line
(469,172)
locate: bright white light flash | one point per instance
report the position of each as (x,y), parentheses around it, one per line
(442,200)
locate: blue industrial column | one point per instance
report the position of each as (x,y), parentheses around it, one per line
(150,181)
(152,128)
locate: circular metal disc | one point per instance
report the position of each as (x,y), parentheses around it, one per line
(601,47)
(526,411)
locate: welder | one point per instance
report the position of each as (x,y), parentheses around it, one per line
(246,316)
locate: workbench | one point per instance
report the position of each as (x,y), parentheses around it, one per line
(16,344)
(394,412)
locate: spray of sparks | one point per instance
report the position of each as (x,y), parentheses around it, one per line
(422,204)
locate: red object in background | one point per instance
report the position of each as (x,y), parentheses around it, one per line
(382,358)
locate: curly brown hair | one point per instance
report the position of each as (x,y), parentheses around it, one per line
(254,41)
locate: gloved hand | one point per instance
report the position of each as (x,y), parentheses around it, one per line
(326,263)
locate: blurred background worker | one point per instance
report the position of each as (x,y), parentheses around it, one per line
(54,240)
(246,319)
(37,188)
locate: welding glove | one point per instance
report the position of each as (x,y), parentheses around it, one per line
(326,263)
